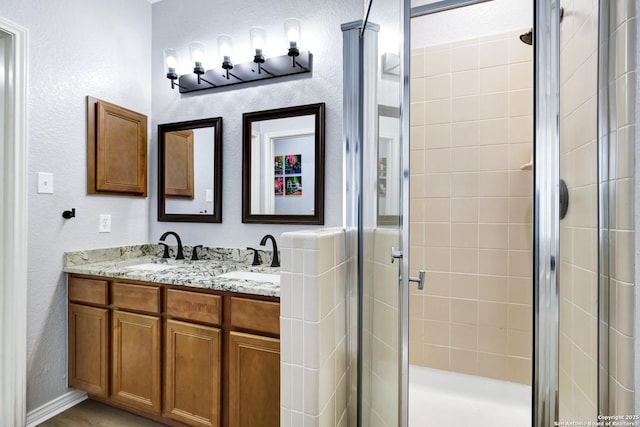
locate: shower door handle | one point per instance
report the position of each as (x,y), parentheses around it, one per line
(396,254)
(419,280)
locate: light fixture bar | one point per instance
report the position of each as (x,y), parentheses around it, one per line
(278,66)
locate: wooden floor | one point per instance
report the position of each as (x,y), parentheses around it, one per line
(90,413)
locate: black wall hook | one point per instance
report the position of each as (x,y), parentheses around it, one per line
(69,214)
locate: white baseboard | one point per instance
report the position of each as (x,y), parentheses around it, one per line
(53,408)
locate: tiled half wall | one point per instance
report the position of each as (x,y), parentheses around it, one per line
(313,329)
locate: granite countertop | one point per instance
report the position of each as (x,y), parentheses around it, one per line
(117,263)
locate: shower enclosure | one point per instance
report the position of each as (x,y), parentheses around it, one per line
(525,239)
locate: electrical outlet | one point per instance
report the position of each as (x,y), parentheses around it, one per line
(105,224)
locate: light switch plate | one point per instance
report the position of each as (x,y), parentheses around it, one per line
(45,183)
(209,195)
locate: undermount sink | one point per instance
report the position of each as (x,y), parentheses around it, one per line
(252,275)
(151,267)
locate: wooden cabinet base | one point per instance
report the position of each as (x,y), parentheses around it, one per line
(135,376)
(254,371)
(192,373)
(177,356)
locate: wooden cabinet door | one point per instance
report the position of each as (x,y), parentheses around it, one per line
(135,360)
(192,373)
(254,381)
(178,164)
(89,349)
(116,149)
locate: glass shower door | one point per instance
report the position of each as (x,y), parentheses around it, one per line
(384,254)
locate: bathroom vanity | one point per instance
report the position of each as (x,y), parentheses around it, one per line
(179,343)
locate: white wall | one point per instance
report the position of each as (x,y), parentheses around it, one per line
(496,16)
(175,25)
(76,48)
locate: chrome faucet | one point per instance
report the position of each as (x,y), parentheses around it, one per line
(179,255)
(275,261)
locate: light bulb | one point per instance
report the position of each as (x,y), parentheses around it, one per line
(224,47)
(292,31)
(257,36)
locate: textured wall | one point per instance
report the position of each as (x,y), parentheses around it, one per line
(74,51)
(175,25)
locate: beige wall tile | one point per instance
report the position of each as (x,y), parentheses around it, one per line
(493,157)
(437,62)
(464,209)
(493,288)
(464,260)
(435,209)
(437,136)
(436,112)
(464,361)
(464,336)
(493,236)
(464,134)
(464,235)
(464,159)
(493,314)
(437,87)
(464,311)
(493,209)
(493,79)
(492,340)
(464,58)
(464,285)
(492,366)
(493,131)
(464,83)
(493,262)
(493,53)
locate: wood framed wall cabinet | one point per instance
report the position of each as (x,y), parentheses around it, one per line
(116,150)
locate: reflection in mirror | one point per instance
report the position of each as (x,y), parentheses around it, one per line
(190,171)
(389,164)
(283,165)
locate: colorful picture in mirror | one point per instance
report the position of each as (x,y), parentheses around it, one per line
(278,186)
(293,164)
(294,186)
(278,165)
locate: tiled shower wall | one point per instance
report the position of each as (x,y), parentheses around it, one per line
(471,206)
(578,284)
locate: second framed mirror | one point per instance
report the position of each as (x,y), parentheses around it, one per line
(190,171)
(283,165)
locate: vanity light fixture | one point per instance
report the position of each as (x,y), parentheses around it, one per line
(171,60)
(262,67)
(225,42)
(257,36)
(292,31)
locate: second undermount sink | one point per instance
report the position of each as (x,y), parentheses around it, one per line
(150,266)
(252,275)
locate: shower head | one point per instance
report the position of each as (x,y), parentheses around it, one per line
(527,38)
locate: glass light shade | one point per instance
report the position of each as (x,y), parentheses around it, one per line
(225,46)
(292,31)
(170,60)
(197,52)
(258,39)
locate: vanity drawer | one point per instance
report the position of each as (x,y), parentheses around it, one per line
(135,297)
(196,306)
(90,291)
(263,316)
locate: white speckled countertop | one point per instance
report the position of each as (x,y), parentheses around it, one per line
(114,263)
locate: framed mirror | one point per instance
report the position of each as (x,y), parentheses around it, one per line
(190,171)
(283,165)
(389,164)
